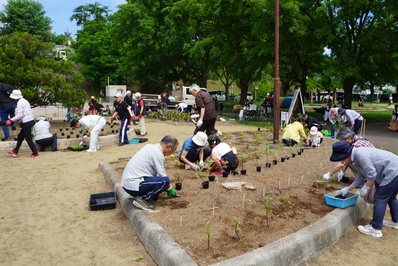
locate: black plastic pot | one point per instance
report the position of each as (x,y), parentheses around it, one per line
(225,174)
(205,184)
(287,157)
(299,153)
(302,150)
(212,178)
(283,159)
(268,165)
(293,155)
(178,186)
(258,168)
(242,172)
(275,162)
(235,173)
(345,179)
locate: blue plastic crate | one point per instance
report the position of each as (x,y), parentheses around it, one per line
(350,200)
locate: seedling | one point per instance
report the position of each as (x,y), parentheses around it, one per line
(178,178)
(267,206)
(237,227)
(208,234)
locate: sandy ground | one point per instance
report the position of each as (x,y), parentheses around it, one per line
(45,218)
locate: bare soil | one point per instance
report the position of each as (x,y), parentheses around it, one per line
(226,223)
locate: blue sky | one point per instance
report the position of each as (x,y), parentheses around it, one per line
(61,10)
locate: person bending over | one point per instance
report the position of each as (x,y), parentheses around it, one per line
(225,157)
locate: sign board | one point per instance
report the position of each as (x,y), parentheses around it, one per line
(295,106)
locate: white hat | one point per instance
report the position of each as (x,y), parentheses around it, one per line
(127,92)
(200,139)
(16,94)
(118,95)
(313,131)
(137,94)
(41,118)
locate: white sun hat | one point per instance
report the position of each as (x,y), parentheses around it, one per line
(16,94)
(200,139)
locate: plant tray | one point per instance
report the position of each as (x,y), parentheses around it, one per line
(85,147)
(137,140)
(350,200)
(102,201)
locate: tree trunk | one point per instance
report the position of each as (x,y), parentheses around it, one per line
(348,84)
(244,87)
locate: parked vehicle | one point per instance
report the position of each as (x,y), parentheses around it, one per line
(249,97)
(220,95)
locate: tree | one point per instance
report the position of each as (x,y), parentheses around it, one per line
(28,64)
(26,16)
(89,12)
(360,31)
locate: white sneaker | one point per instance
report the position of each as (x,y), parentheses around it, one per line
(187,167)
(219,133)
(369,230)
(391,223)
(91,150)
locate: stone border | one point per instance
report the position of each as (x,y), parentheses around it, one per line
(63,144)
(290,250)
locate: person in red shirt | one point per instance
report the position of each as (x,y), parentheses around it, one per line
(140,112)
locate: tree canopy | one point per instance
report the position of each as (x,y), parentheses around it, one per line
(27,63)
(26,16)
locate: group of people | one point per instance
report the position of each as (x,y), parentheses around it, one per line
(144,177)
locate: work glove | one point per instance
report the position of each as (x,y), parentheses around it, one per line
(201,164)
(112,118)
(199,123)
(326,176)
(340,175)
(140,115)
(171,192)
(132,118)
(84,137)
(81,143)
(194,166)
(344,191)
(9,122)
(364,190)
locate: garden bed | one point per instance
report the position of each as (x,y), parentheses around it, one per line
(215,224)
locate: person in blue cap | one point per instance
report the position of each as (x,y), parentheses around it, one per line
(374,166)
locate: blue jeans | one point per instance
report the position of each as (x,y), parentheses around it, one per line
(151,187)
(5,114)
(357,126)
(385,195)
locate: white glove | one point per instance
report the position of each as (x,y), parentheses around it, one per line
(344,191)
(81,143)
(201,164)
(340,175)
(194,166)
(85,137)
(364,190)
(326,176)
(199,123)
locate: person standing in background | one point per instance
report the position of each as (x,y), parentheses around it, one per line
(25,115)
(123,110)
(101,96)
(7,106)
(140,112)
(164,101)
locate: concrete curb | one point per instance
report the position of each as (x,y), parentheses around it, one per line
(63,144)
(290,250)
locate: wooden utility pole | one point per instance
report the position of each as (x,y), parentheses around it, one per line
(277,82)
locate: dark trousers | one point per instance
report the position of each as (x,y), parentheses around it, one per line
(207,127)
(5,114)
(43,143)
(151,187)
(123,131)
(26,134)
(193,155)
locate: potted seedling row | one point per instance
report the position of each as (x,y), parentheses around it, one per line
(178,181)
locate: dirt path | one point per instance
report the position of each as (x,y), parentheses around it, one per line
(45,219)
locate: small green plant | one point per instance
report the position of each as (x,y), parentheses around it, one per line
(198,173)
(178,178)
(208,237)
(67,128)
(267,206)
(237,227)
(139,258)
(60,129)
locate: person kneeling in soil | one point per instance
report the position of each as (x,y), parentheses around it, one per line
(225,157)
(43,136)
(316,137)
(292,132)
(93,124)
(193,151)
(145,177)
(374,166)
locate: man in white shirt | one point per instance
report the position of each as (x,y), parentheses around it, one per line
(43,136)
(93,124)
